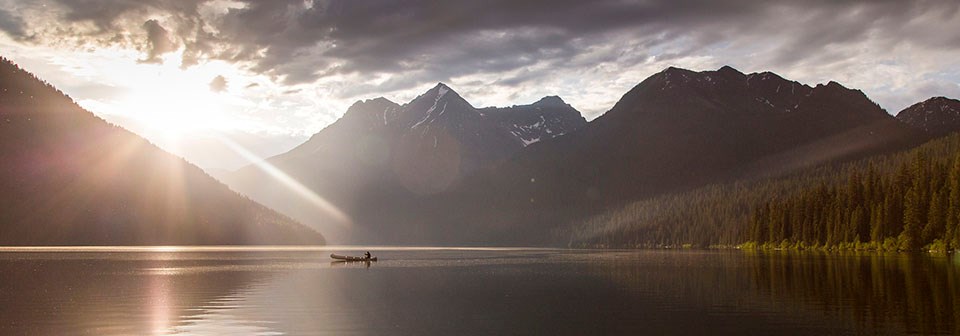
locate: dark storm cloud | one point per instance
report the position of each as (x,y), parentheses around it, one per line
(158,41)
(445,38)
(429,41)
(11,24)
(889,23)
(112,17)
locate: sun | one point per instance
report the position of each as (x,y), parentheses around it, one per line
(165,102)
(173,106)
(174,101)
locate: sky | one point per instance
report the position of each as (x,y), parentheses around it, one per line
(192,75)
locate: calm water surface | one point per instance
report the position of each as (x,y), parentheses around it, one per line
(413,291)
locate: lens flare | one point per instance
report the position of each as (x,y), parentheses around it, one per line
(339,218)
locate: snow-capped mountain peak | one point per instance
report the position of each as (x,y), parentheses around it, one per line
(440,104)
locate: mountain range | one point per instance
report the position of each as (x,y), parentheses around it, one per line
(436,170)
(381,157)
(70,178)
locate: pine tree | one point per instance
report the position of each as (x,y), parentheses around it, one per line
(953,207)
(936,218)
(860,222)
(913,212)
(915,206)
(757,226)
(893,206)
(877,222)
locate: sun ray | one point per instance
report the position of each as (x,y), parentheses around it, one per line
(113,162)
(172,183)
(340,218)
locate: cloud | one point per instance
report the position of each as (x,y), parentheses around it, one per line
(457,36)
(12,25)
(218,84)
(922,90)
(389,45)
(158,41)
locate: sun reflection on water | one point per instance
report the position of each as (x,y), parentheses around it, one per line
(165,248)
(160,304)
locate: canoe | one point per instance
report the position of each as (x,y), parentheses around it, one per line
(351,258)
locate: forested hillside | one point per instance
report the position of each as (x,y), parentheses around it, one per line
(906,200)
(914,204)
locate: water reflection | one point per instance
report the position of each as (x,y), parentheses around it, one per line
(466,291)
(800,292)
(912,293)
(222,316)
(109,294)
(344,263)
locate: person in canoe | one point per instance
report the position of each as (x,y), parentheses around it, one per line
(367,255)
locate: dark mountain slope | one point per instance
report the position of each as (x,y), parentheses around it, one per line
(70,178)
(685,128)
(937,116)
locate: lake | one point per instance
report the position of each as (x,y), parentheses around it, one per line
(451,291)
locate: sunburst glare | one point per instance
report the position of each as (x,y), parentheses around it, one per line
(339,218)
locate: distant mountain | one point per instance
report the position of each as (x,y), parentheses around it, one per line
(937,116)
(675,131)
(548,118)
(70,178)
(380,156)
(680,127)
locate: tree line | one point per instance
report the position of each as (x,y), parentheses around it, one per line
(915,206)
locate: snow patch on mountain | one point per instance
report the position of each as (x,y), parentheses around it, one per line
(430,115)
